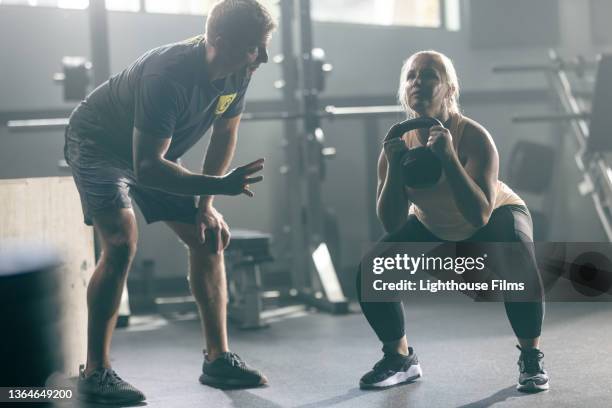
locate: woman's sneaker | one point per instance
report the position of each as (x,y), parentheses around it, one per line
(392,369)
(104,386)
(229,371)
(532,376)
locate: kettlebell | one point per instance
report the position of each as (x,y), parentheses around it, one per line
(421,168)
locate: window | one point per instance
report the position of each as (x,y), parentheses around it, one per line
(417,13)
(73,4)
(123,5)
(120,5)
(199,7)
(178,6)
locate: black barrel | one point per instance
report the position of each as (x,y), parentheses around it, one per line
(30,310)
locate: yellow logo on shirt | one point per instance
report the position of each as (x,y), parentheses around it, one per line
(224,102)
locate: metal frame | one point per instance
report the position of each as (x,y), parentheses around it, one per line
(596,172)
(100,49)
(442,13)
(305,167)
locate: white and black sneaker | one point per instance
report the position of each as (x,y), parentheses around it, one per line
(532,376)
(392,369)
(229,371)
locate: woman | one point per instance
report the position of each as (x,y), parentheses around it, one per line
(468,204)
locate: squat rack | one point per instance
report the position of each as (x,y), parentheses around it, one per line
(591,130)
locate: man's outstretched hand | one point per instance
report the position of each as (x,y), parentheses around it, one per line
(238,180)
(211,227)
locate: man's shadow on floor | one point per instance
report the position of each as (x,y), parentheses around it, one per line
(243,398)
(349,395)
(499,396)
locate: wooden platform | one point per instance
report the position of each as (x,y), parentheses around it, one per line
(48,211)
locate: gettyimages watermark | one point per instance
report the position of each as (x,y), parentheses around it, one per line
(489,271)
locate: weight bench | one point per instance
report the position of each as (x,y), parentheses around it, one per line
(246,251)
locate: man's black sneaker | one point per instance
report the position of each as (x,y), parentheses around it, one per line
(392,369)
(229,371)
(532,376)
(104,386)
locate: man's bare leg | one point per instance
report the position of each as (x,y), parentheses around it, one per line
(118,234)
(208,284)
(209,287)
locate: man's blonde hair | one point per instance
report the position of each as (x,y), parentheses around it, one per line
(235,19)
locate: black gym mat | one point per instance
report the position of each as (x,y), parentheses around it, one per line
(466,351)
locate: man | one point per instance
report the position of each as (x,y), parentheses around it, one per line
(125,140)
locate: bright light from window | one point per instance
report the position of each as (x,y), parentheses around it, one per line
(73,4)
(416,13)
(123,5)
(453,15)
(199,7)
(68,4)
(178,6)
(419,13)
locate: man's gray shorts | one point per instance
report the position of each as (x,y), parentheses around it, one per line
(105,182)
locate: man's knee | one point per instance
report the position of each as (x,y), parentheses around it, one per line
(120,250)
(204,256)
(119,236)
(203,253)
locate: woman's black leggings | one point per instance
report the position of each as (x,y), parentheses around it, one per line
(510,223)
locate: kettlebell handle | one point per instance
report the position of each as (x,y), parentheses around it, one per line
(399,129)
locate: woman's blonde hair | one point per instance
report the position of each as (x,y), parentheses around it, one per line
(450,74)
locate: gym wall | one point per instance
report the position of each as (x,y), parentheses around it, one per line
(517,23)
(600,27)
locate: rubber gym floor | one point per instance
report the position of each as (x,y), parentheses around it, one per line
(315,360)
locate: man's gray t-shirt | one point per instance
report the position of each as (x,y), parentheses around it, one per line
(165,93)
